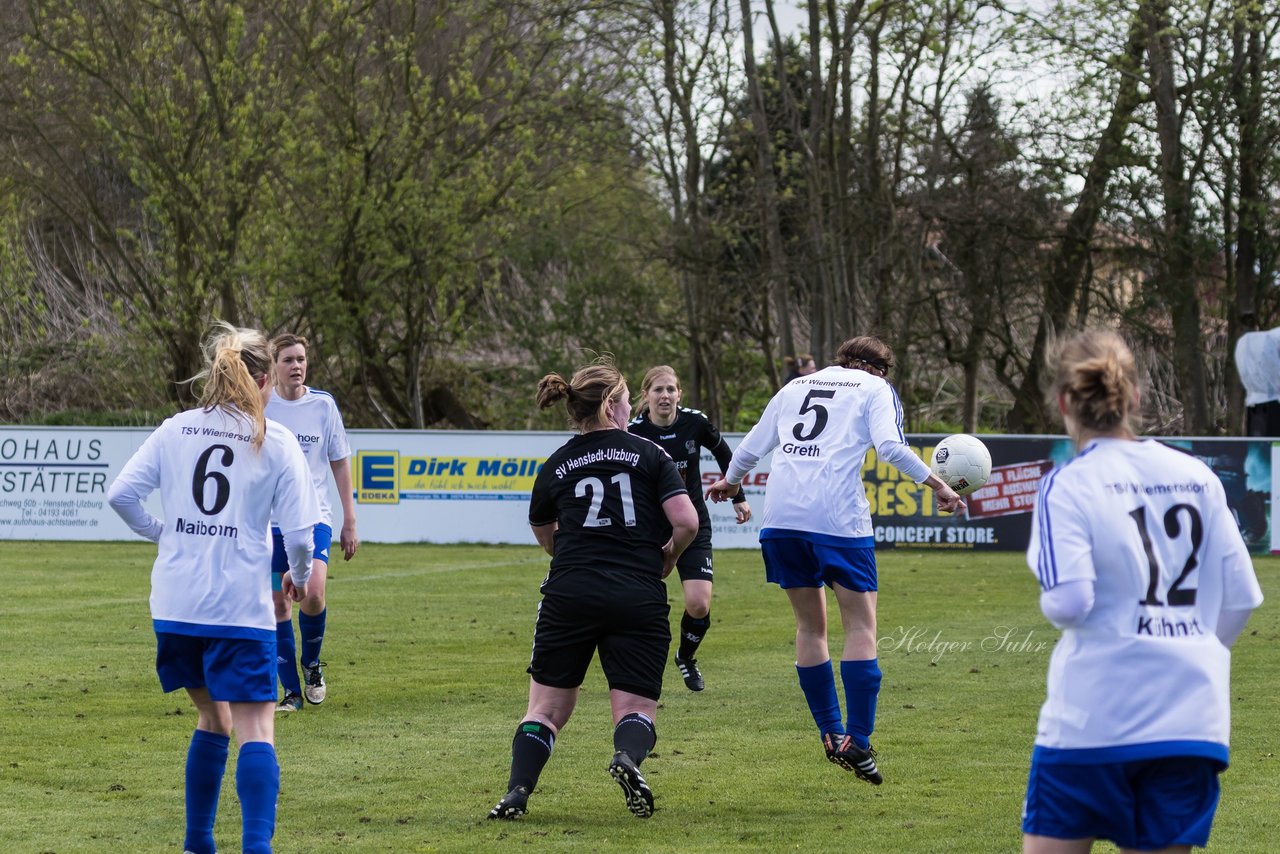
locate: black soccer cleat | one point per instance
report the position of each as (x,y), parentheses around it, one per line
(831,744)
(851,757)
(290,702)
(639,797)
(514,804)
(689,670)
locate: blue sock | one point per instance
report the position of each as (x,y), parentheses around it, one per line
(861,689)
(312,631)
(258,785)
(206,763)
(819,685)
(287,658)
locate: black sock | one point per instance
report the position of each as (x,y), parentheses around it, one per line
(692,631)
(635,736)
(530,750)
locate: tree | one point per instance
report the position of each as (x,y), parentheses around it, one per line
(1070,263)
(989,224)
(431,135)
(147,132)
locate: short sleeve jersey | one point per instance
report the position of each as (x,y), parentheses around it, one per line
(218,495)
(315,420)
(606,488)
(1144,675)
(683,440)
(820,428)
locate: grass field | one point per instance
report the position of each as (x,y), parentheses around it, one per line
(426,650)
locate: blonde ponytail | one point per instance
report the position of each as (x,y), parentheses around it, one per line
(1098,377)
(234,360)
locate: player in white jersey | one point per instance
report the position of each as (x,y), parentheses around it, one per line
(1143,567)
(817,527)
(314,418)
(223,473)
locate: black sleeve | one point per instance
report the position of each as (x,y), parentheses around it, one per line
(719,449)
(542,508)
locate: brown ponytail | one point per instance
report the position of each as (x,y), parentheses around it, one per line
(587,395)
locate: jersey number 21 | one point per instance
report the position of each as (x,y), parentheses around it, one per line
(596,488)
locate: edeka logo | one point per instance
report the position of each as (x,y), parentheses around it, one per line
(377,477)
(388,477)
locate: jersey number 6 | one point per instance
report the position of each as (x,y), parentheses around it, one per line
(222,486)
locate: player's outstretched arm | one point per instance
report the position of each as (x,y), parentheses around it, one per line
(722,490)
(949,501)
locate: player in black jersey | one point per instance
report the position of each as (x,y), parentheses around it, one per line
(614,514)
(683,433)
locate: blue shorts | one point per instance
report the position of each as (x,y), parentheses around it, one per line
(802,562)
(323,536)
(234,670)
(1146,804)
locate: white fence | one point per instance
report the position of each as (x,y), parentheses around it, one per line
(473,487)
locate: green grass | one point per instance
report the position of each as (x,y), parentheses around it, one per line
(427,647)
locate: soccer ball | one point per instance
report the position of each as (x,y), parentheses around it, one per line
(962,462)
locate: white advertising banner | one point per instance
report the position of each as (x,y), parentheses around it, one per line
(452,486)
(444,486)
(462,487)
(53,481)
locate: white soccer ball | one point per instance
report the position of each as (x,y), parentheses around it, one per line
(962,462)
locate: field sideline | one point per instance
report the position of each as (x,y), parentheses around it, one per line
(425,655)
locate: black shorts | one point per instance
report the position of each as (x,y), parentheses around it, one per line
(694,563)
(627,619)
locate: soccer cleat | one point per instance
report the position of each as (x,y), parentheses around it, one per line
(313,687)
(290,703)
(831,744)
(514,804)
(851,757)
(689,670)
(638,794)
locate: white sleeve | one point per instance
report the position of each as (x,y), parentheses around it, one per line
(903,458)
(295,505)
(128,504)
(1061,548)
(138,479)
(884,418)
(298,545)
(1231,624)
(762,439)
(338,446)
(1067,604)
(1240,588)
(1241,593)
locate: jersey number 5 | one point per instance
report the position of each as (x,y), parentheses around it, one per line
(819,415)
(595,486)
(1176,595)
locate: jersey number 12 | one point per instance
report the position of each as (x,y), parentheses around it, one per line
(1176,594)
